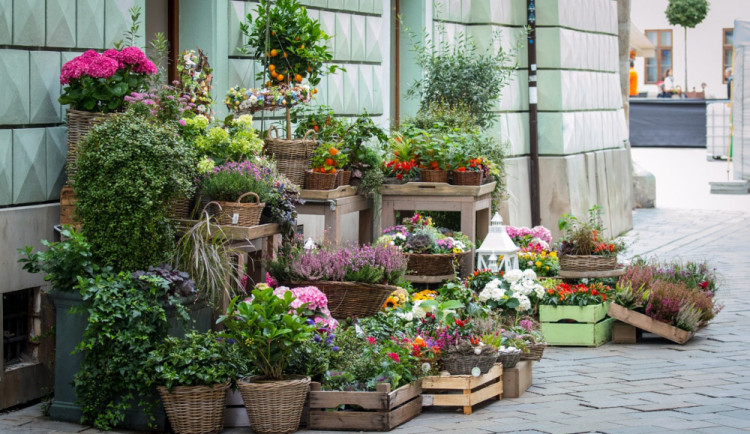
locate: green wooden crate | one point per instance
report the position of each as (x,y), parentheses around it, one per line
(588,314)
(578,334)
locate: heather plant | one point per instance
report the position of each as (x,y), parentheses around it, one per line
(666,299)
(695,275)
(638,275)
(689,317)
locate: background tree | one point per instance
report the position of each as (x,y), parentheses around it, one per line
(688,14)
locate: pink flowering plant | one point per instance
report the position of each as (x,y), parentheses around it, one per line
(311,303)
(97,82)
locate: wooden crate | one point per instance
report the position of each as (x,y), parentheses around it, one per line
(649,324)
(517,380)
(381,410)
(575,325)
(436,189)
(67,206)
(462,390)
(590,314)
(624,333)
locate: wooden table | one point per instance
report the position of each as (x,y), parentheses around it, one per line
(473,202)
(333,205)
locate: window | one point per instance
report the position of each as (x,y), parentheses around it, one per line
(656,66)
(16,310)
(727,51)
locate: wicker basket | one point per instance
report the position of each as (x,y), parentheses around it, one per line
(241,214)
(427,264)
(179,208)
(274,406)
(459,364)
(195,409)
(352,299)
(343,177)
(434,175)
(79,124)
(587,263)
(320,181)
(293,156)
(467,178)
(536,349)
(509,360)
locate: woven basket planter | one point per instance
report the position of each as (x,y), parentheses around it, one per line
(195,409)
(459,364)
(179,208)
(434,175)
(352,299)
(79,124)
(343,177)
(274,406)
(536,349)
(467,178)
(241,214)
(587,263)
(509,360)
(427,264)
(293,156)
(320,181)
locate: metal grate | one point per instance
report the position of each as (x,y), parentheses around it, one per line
(17,310)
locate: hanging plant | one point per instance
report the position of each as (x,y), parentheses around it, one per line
(291,44)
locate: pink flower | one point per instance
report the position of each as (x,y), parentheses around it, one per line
(183,123)
(102,67)
(270,281)
(371,340)
(394,356)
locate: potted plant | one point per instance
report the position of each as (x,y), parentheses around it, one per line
(430,251)
(582,246)
(228,184)
(356,280)
(267,328)
(403,165)
(192,376)
(535,251)
(582,307)
(327,162)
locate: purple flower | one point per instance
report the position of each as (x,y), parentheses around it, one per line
(335,349)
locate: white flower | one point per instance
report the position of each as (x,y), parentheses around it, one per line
(529,283)
(539,290)
(409,316)
(399,236)
(477,351)
(418,312)
(459,245)
(525,303)
(529,274)
(513,276)
(491,291)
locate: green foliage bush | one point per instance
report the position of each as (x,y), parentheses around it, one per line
(128,170)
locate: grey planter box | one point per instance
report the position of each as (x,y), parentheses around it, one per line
(69,331)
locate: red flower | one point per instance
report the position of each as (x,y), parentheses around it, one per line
(395,357)
(704,284)
(371,340)
(400,176)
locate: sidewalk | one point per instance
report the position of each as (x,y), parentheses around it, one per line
(652,386)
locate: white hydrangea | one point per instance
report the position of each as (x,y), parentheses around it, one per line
(525,303)
(491,291)
(513,276)
(539,290)
(529,274)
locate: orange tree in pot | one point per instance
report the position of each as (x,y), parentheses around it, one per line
(327,161)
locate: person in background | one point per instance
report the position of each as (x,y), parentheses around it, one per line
(729,76)
(633,80)
(669,83)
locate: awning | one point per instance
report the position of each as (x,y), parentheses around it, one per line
(640,43)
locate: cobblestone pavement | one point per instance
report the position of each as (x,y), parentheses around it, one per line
(652,386)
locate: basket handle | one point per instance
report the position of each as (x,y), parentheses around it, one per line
(310,131)
(274,129)
(257,199)
(528,337)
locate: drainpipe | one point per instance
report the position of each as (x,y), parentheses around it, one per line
(536,218)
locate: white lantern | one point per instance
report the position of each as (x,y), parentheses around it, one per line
(498,253)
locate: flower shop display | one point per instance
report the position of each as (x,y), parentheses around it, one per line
(575,314)
(267,328)
(673,300)
(430,251)
(357,280)
(582,247)
(515,291)
(327,168)
(192,376)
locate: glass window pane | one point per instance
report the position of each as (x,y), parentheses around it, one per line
(666,39)
(728,37)
(666,59)
(728,56)
(651,35)
(651,76)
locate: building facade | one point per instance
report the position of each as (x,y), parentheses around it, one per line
(582,134)
(709,50)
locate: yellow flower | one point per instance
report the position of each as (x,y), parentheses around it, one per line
(544,253)
(553,254)
(538,264)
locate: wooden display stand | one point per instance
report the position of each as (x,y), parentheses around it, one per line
(332,205)
(464,391)
(623,333)
(381,410)
(473,202)
(517,380)
(648,324)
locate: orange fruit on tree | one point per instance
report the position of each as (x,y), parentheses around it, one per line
(268,84)
(280,77)
(272,67)
(309,69)
(333,151)
(298,78)
(285,55)
(333,170)
(330,162)
(274,52)
(302,47)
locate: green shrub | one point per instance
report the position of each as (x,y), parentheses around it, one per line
(128,170)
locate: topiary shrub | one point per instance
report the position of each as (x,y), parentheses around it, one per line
(128,170)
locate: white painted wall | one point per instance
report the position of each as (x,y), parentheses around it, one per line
(704,42)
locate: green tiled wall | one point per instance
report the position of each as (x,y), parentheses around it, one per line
(41,35)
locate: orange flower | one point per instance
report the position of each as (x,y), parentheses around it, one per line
(333,151)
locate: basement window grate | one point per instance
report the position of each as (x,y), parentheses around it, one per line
(17,310)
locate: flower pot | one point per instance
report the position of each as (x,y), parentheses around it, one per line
(274,406)
(460,364)
(428,264)
(292,156)
(434,175)
(320,181)
(80,124)
(343,177)
(239,213)
(467,178)
(587,263)
(352,299)
(195,409)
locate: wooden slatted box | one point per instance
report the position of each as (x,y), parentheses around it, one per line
(463,390)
